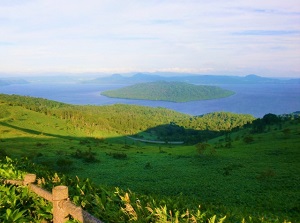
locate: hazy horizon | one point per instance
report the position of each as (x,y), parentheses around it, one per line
(87,75)
(195,36)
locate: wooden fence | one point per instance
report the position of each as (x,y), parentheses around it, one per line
(59,197)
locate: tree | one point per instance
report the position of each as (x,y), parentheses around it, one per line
(271,119)
(258,126)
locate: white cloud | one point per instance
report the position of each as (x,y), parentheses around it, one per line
(196,35)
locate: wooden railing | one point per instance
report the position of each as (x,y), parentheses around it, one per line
(62,206)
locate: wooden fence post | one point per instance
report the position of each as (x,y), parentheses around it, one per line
(62,207)
(29,178)
(59,195)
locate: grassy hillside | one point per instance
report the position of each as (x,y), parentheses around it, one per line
(169,91)
(124,119)
(249,171)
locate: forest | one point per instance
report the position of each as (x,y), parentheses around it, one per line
(169,91)
(130,119)
(231,167)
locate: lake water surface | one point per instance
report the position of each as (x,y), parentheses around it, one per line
(257,100)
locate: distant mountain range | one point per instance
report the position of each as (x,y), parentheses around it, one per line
(195,79)
(10,81)
(134,78)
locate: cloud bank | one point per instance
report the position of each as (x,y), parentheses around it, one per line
(199,36)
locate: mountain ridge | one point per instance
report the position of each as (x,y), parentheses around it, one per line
(9,81)
(195,79)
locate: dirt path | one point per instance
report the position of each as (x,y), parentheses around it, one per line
(157,142)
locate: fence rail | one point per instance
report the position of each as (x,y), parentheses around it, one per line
(62,206)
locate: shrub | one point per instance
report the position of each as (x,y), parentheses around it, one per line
(286,132)
(148,166)
(201,147)
(90,158)
(87,156)
(248,139)
(229,168)
(39,144)
(161,150)
(64,164)
(117,155)
(266,175)
(3,153)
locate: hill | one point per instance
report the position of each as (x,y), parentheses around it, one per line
(169,91)
(121,118)
(249,172)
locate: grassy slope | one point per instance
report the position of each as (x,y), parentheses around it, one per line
(169,91)
(257,179)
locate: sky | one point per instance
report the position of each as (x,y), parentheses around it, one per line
(224,37)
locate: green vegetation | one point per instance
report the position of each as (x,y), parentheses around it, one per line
(234,165)
(18,204)
(95,121)
(169,91)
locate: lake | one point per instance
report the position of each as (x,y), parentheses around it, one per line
(255,99)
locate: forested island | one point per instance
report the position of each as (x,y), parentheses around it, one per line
(169,91)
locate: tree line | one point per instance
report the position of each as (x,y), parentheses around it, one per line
(133,119)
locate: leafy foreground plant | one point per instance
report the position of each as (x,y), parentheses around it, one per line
(18,204)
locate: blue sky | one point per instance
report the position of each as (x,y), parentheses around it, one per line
(233,37)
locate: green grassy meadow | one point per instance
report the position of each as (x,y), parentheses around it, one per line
(258,178)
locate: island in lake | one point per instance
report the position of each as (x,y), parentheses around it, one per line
(169,91)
